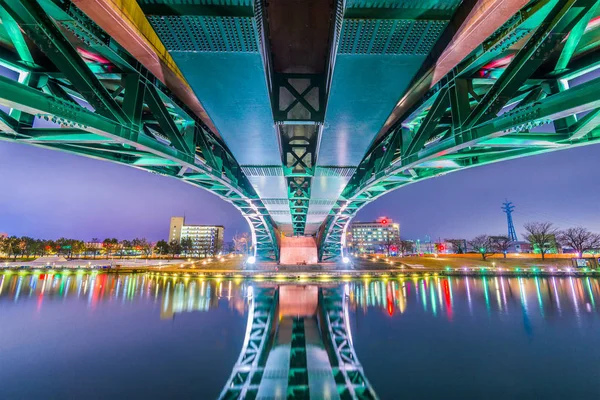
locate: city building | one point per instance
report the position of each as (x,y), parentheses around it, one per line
(207,240)
(381,236)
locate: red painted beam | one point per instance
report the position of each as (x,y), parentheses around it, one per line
(126,23)
(483,20)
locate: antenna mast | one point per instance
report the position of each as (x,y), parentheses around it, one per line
(508,208)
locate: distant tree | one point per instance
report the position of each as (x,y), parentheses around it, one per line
(241,243)
(125,246)
(27,245)
(218,247)
(458,245)
(162,248)
(390,241)
(483,245)
(92,247)
(186,245)
(49,247)
(64,247)
(109,244)
(37,247)
(541,235)
(142,245)
(229,247)
(501,243)
(579,239)
(407,246)
(11,246)
(174,248)
(146,247)
(77,247)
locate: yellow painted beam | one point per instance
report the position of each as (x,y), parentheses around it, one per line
(125,21)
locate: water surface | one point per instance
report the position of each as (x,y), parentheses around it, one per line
(141,337)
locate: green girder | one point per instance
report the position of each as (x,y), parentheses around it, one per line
(459,123)
(132,118)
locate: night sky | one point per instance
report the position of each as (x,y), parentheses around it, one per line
(52,194)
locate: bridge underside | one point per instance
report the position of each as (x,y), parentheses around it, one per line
(300,112)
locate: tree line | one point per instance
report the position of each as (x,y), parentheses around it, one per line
(542,236)
(26,246)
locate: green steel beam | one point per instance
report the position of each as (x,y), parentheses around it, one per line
(16,36)
(165,121)
(465,131)
(128,95)
(538,48)
(43,31)
(574,38)
(427,127)
(8,123)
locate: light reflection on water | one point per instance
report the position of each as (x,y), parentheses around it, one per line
(539,296)
(479,337)
(422,337)
(140,337)
(174,295)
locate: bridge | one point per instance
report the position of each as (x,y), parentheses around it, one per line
(298,345)
(299,113)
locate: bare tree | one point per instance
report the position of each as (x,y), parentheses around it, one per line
(458,245)
(580,239)
(501,243)
(407,246)
(390,241)
(541,235)
(483,245)
(241,243)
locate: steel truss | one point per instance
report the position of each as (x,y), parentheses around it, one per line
(103,104)
(480,114)
(247,373)
(299,110)
(348,373)
(299,101)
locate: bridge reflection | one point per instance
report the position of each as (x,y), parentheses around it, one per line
(435,294)
(298,337)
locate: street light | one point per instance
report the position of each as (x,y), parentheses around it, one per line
(251,260)
(346,260)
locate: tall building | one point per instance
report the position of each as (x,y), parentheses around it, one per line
(207,240)
(381,236)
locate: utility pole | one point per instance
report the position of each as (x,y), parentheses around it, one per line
(508,208)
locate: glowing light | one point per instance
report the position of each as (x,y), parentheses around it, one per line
(251,260)
(346,260)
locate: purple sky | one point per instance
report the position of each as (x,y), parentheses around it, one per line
(51,194)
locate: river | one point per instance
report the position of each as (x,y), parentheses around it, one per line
(99,336)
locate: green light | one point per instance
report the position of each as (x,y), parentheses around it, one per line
(517,269)
(448,269)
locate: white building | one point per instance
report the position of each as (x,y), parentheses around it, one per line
(379,236)
(207,240)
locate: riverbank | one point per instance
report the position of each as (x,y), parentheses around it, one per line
(441,263)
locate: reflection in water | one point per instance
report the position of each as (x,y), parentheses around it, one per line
(435,295)
(478,337)
(532,297)
(174,295)
(401,327)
